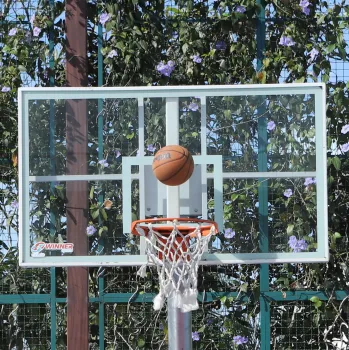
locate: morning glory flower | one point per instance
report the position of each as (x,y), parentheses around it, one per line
(151,148)
(271,125)
(195,336)
(14,204)
(221,45)
(193,106)
(104,18)
(90,230)
(229,233)
(5,89)
(297,245)
(112,53)
(309,181)
(238,340)
(117,154)
(36,31)
(345,147)
(288,193)
(286,41)
(166,69)
(197,59)
(240,9)
(345,129)
(12,32)
(304,5)
(313,54)
(104,163)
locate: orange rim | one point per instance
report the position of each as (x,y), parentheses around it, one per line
(166,229)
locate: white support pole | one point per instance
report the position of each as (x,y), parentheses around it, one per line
(179,323)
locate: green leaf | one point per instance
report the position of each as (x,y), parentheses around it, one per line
(141,342)
(92,190)
(336,163)
(337,235)
(316,301)
(104,214)
(95,214)
(244,287)
(300,80)
(185,48)
(120,45)
(290,229)
(330,48)
(22,68)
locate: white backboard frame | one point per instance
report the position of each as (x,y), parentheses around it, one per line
(173,92)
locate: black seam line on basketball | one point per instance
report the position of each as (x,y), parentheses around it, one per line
(175,172)
(172,160)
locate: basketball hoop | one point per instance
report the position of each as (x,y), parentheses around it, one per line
(175,247)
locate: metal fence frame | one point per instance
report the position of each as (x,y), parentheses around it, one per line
(266,297)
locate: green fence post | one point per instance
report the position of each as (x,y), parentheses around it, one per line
(53,308)
(263,192)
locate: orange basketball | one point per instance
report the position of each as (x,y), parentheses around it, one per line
(173,165)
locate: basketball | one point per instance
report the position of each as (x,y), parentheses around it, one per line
(173,165)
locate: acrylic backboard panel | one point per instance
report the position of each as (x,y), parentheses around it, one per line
(85,171)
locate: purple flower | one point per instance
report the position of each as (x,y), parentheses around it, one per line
(239,339)
(104,18)
(117,154)
(195,336)
(301,245)
(90,230)
(271,125)
(345,129)
(5,89)
(313,54)
(12,32)
(197,59)
(193,106)
(297,245)
(292,242)
(221,45)
(229,233)
(104,163)
(288,193)
(309,181)
(166,69)
(36,31)
(151,148)
(112,53)
(345,147)
(14,204)
(240,9)
(286,41)
(304,5)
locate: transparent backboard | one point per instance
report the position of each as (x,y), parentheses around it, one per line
(85,171)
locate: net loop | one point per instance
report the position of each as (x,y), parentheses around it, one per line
(176,250)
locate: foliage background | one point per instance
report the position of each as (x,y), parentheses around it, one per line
(307,305)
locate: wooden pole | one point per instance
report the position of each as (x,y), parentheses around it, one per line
(77,200)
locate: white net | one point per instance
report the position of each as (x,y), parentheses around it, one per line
(176,257)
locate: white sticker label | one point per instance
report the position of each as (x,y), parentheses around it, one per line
(39,248)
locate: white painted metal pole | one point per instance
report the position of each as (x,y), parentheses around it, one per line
(179,323)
